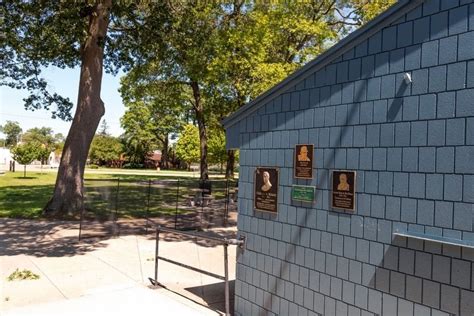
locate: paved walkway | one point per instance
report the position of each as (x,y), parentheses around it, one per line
(108,276)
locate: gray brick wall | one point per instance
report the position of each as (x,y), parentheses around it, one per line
(413,149)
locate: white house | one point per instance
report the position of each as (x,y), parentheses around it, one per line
(5,158)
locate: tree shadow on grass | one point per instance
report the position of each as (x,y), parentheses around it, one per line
(24,201)
(42,238)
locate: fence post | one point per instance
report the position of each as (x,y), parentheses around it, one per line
(116,205)
(176,211)
(148,206)
(226,281)
(227,197)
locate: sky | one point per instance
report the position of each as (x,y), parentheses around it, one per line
(66,83)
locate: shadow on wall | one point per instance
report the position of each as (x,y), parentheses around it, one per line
(419,271)
(383,264)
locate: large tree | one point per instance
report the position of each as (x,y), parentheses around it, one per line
(71,34)
(184,62)
(227,54)
(176,38)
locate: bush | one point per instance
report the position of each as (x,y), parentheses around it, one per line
(23,275)
(132,165)
(92,166)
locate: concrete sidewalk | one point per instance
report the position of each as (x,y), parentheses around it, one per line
(106,275)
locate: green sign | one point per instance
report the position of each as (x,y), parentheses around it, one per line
(302,193)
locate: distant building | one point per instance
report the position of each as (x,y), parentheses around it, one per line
(54,159)
(5,158)
(153,160)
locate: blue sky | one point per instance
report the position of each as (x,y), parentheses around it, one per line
(65,82)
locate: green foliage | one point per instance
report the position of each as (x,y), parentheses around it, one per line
(367,10)
(43,135)
(43,153)
(222,56)
(154,110)
(262,43)
(216,146)
(12,131)
(44,139)
(132,165)
(52,33)
(25,153)
(24,274)
(187,147)
(105,149)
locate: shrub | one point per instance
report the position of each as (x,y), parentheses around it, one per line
(132,165)
(23,275)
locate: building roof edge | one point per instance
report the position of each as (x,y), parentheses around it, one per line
(387,17)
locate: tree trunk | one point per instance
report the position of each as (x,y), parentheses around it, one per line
(68,191)
(24,171)
(199,110)
(164,153)
(229,170)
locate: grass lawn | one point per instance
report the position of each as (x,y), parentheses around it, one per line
(104,193)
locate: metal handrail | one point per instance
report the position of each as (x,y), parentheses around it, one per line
(222,241)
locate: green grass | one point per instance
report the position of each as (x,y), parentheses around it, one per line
(25,197)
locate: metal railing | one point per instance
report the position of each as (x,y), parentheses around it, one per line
(225,242)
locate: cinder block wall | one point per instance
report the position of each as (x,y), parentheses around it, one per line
(412,148)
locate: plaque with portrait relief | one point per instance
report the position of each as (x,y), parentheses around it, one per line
(343,189)
(266,189)
(303,161)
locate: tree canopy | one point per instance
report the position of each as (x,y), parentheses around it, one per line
(12,131)
(187,147)
(218,51)
(26,153)
(220,56)
(104,149)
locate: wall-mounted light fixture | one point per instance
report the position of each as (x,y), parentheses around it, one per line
(407,78)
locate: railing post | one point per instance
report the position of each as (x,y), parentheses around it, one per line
(157,245)
(226,281)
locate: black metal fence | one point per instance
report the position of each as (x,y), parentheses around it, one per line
(121,206)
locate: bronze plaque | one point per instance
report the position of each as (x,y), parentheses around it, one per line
(343,190)
(304,161)
(266,189)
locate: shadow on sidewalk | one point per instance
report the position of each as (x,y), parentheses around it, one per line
(214,295)
(43,238)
